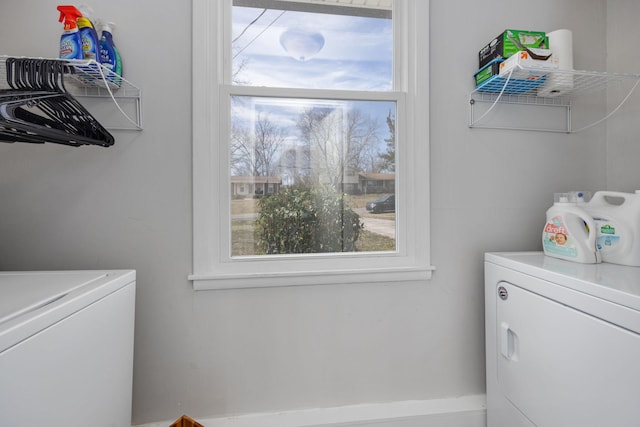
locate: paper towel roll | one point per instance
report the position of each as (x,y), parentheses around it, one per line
(561,45)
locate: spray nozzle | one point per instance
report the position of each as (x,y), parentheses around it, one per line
(69,14)
(108,26)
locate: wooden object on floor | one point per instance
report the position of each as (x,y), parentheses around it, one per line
(186,421)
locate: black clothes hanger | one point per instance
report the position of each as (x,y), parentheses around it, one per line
(39,109)
(47,75)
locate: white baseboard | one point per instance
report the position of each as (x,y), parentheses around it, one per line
(465,411)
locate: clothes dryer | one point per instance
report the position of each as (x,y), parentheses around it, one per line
(562,342)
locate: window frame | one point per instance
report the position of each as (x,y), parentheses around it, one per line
(213,267)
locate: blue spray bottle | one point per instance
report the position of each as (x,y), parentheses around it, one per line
(88,34)
(70,42)
(109,55)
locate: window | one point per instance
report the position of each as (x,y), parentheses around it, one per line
(323,104)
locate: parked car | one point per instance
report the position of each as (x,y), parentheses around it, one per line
(386,203)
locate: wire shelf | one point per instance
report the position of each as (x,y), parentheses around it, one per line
(91,79)
(555,88)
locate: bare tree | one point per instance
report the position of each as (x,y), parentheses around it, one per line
(309,120)
(389,157)
(240,140)
(338,140)
(362,137)
(254,151)
(269,139)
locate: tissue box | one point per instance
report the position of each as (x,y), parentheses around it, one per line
(536,68)
(488,80)
(502,47)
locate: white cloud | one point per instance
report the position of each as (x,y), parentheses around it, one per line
(351,44)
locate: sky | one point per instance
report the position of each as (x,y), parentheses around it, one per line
(349,58)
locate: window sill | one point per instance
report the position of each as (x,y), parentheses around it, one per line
(203,282)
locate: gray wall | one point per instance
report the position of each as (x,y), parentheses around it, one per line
(623,142)
(216,353)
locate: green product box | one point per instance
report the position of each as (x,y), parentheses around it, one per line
(488,71)
(509,42)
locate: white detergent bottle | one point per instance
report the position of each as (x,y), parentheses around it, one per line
(617,218)
(570,232)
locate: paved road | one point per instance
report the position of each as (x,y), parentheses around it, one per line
(385,227)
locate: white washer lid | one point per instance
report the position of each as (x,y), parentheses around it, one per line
(32,301)
(23,292)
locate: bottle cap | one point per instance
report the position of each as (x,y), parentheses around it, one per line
(108,26)
(562,198)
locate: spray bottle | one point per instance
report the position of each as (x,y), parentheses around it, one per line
(70,42)
(109,55)
(88,35)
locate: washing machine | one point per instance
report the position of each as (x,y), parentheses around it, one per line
(66,348)
(562,342)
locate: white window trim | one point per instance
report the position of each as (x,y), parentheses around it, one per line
(213,268)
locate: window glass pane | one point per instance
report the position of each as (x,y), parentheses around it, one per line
(312,176)
(311,45)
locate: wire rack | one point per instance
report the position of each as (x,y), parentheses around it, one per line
(91,79)
(557,88)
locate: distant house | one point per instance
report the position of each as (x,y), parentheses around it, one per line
(377,182)
(350,181)
(349,184)
(252,186)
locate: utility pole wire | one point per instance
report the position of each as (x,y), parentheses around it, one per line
(261,32)
(248,26)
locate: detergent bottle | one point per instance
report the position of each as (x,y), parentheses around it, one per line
(70,43)
(88,35)
(570,232)
(617,218)
(109,54)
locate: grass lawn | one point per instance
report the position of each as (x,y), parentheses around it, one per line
(243,240)
(246,206)
(242,234)
(372,242)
